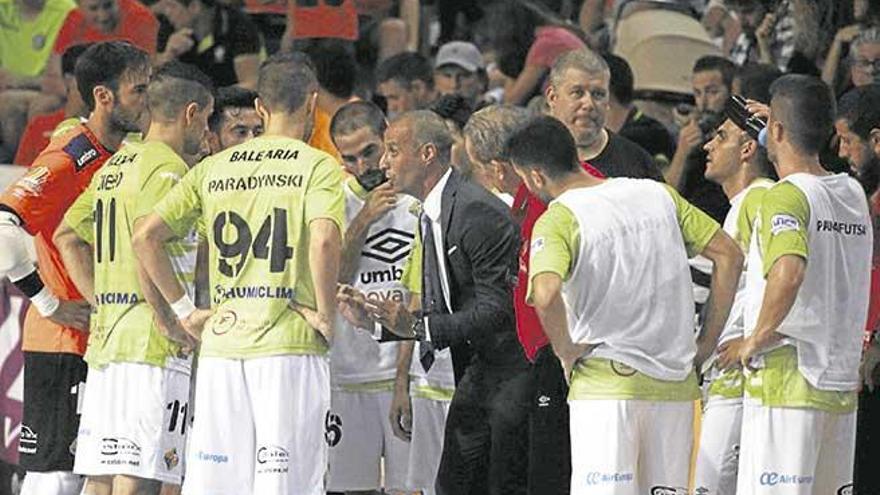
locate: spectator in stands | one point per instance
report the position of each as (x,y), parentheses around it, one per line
(459,68)
(42,128)
(219,40)
(386,28)
(28,29)
(335,68)
(712,79)
(773,35)
(864,54)
(627,120)
(578,96)
(406,81)
(528,39)
(858,128)
(752,81)
(235,119)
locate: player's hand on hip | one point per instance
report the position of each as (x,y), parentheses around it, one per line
(401,415)
(569,356)
(173,330)
(195,323)
(75,314)
(728,354)
(320,322)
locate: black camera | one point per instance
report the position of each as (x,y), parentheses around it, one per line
(736,111)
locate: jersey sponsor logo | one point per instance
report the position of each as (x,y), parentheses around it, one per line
(27,441)
(845,490)
(272,459)
(121,298)
(622,370)
(537,245)
(544,401)
(395,295)
(388,245)
(332,429)
(668,490)
(32,183)
(392,274)
(121,451)
(783,223)
(252,292)
(769,478)
(230,184)
(171,458)
(224,322)
(596,478)
(212,458)
(258,156)
(83,152)
(855,229)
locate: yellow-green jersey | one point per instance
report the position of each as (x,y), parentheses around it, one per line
(126,189)
(256,201)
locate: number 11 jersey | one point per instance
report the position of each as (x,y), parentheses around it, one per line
(255,201)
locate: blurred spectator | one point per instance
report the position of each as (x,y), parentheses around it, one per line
(28,29)
(219,40)
(627,120)
(752,81)
(528,39)
(308,20)
(858,128)
(578,97)
(42,128)
(406,81)
(448,12)
(335,69)
(459,68)
(235,119)
(712,79)
(387,27)
(773,31)
(864,55)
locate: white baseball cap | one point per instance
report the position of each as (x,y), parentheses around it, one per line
(461,53)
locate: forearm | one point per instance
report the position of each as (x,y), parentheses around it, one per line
(725,280)
(411,15)
(555,323)
(591,15)
(404,360)
(355,236)
(79,262)
(324,250)
(832,62)
(765,54)
(154,298)
(783,283)
(675,171)
(203,290)
(149,241)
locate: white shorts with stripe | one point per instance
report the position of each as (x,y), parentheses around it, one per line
(718,452)
(429,425)
(795,451)
(630,447)
(134,422)
(259,426)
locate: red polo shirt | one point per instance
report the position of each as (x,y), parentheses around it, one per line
(528,327)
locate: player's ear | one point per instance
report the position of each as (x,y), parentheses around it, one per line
(262,111)
(103,95)
(189,113)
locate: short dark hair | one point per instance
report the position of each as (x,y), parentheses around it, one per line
(70,56)
(543,144)
(230,97)
(426,127)
(358,115)
(335,67)
(175,85)
(453,107)
(806,108)
(104,63)
(755,81)
(860,107)
(714,62)
(622,82)
(404,68)
(286,80)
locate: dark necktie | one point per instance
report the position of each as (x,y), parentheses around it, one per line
(432,290)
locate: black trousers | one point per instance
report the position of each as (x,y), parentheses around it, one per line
(549,434)
(486,440)
(867,476)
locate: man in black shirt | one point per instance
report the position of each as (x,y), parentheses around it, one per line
(221,41)
(578,97)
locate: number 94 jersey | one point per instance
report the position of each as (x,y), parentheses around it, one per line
(124,190)
(255,201)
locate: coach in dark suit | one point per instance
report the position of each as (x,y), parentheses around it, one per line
(470,245)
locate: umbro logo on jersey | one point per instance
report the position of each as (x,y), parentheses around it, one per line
(846,490)
(667,490)
(389,245)
(543,401)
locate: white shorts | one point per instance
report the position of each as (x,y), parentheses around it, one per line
(630,447)
(364,437)
(718,451)
(259,426)
(134,422)
(429,424)
(795,451)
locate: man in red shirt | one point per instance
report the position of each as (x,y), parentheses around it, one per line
(549,453)
(112,78)
(42,128)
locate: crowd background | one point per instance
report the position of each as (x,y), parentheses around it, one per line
(673,65)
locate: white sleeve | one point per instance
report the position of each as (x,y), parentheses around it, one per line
(15,259)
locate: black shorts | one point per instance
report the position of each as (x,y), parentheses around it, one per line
(50,418)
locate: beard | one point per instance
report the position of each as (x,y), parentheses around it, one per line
(869,175)
(123,121)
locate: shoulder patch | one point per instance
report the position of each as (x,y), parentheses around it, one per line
(537,245)
(782,223)
(82,151)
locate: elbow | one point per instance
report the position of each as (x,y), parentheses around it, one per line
(143,239)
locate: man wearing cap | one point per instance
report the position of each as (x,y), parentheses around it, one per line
(459,69)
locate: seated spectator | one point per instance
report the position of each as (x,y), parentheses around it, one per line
(235,119)
(335,69)
(42,128)
(866,15)
(219,40)
(28,30)
(528,39)
(459,68)
(712,79)
(774,36)
(406,81)
(864,57)
(627,120)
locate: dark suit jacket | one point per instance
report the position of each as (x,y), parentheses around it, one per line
(481,244)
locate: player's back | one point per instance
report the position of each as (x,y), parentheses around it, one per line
(256,201)
(40,198)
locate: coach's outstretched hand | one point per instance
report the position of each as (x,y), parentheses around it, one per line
(74,314)
(352,306)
